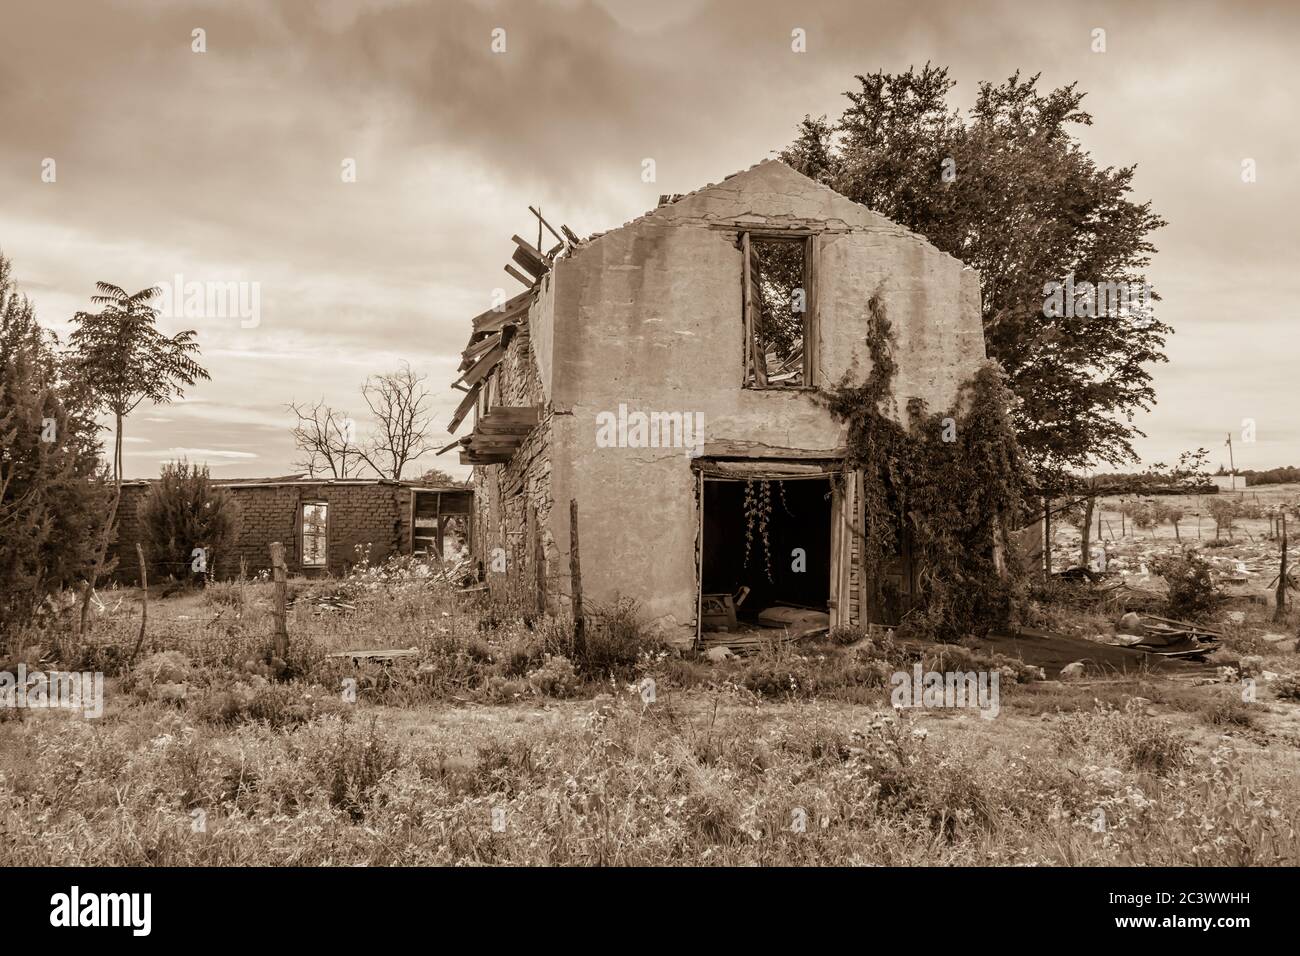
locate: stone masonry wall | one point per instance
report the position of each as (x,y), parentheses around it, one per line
(504,494)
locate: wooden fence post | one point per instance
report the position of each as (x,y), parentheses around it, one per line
(278,573)
(575,576)
(144,601)
(1085,536)
(1047,539)
(1279,615)
(539,558)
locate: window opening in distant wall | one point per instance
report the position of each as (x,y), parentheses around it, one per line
(315,534)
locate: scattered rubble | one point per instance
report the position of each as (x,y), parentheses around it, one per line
(1165,636)
(1073,671)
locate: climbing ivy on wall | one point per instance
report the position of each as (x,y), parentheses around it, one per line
(950,480)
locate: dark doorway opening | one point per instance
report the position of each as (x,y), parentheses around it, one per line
(797,550)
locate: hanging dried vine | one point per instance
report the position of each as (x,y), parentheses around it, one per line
(950,481)
(758,513)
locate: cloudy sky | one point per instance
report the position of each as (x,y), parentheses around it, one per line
(227,166)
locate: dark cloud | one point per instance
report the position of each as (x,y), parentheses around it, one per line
(225,165)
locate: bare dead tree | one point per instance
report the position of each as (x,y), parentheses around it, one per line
(398,401)
(327,438)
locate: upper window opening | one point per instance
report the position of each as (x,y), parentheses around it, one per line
(778,312)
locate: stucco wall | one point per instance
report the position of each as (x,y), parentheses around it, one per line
(650,315)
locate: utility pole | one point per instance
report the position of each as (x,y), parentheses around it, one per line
(1232,466)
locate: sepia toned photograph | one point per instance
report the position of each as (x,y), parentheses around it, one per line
(598,435)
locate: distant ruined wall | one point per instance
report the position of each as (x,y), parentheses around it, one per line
(369,515)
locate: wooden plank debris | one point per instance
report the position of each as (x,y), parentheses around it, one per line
(488,361)
(463,408)
(479,349)
(550,228)
(509,310)
(381,656)
(535,268)
(530,257)
(520,276)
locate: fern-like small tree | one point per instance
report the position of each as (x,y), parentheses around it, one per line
(186,521)
(124,359)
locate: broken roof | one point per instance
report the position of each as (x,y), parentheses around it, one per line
(492,330)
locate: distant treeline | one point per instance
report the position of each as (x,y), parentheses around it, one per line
(1273,476)
(1136,483)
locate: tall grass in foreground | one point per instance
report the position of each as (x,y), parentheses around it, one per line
(208,755)
(622,784)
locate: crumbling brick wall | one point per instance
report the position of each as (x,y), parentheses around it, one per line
(122,548)
(362,519)
(371,515)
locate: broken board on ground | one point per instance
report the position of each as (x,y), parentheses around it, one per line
(381,656)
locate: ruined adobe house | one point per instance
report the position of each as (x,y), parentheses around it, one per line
(320,522)
(659,373)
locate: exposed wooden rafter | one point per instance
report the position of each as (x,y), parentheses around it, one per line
(491,320)
(466,403)
(498,434)
(478,350)
(478,371)
(529,258)
(520,276)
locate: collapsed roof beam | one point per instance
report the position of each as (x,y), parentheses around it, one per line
(550,228)
(466,403)
(509,308)
(485,364)
(477,350)
(520,276)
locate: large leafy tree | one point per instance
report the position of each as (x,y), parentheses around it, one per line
(53,490)
(124,359)
(1009,191)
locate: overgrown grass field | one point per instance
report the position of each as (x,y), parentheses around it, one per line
(503,742)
